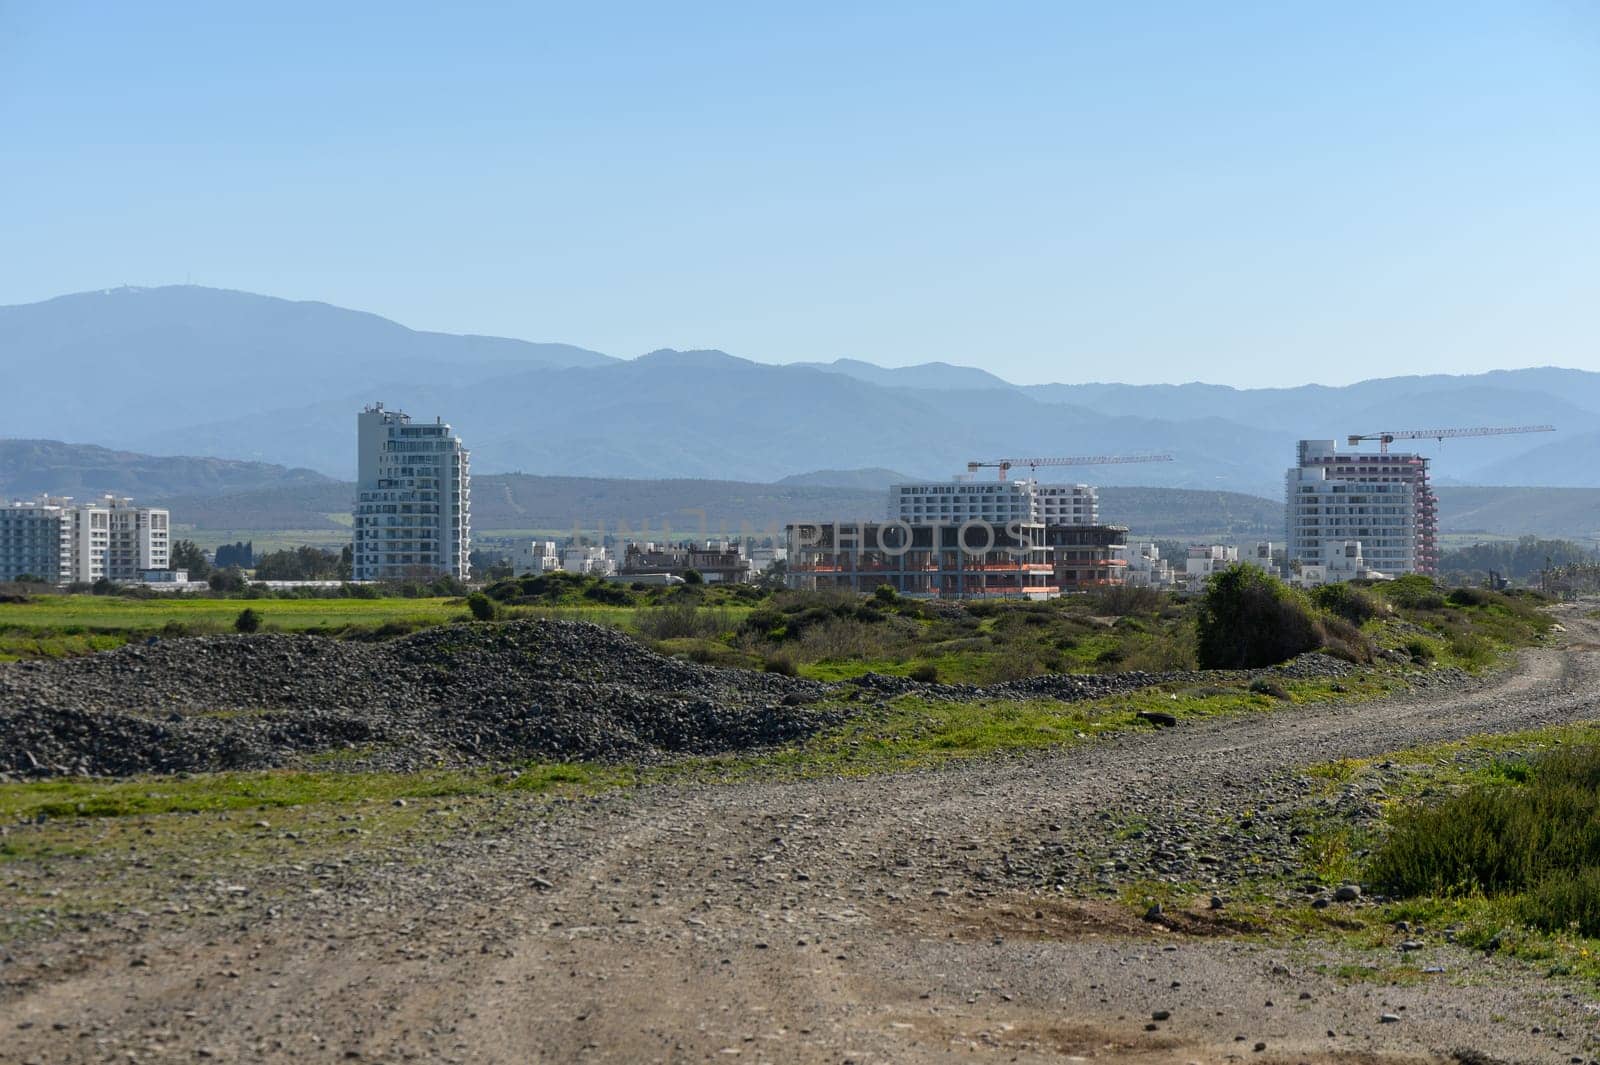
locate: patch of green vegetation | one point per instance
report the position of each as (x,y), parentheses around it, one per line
(1471,628)
(914,732)
(105,615)
(1331,853)
(75,846)
(1448,766)
(1495,838)
(1532,836)
(80,797)
(16,645)
(834,636)
(1388,974)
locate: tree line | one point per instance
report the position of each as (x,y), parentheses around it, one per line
(1525,558)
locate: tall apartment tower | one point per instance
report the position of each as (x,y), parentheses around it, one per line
(413,515)
(1381,499)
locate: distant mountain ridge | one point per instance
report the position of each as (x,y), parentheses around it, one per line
(128,358)
(196,371)
(937,376)
(31,467)
(875,479)
(220,494)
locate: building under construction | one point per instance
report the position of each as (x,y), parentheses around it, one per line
(968,538)
(1381,499)
(1373,506)
(973,560)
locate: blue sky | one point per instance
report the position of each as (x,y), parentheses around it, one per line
(1240,193)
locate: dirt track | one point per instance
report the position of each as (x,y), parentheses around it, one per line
(889,918)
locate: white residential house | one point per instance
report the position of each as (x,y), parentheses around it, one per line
(1263,555)
(1205,559)
(587,559)
(764,558)
(533,557)
(1343,561)
(1146,567)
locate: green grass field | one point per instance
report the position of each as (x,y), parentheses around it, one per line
(58,626)
(104,613)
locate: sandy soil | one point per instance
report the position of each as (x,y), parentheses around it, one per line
(895,918)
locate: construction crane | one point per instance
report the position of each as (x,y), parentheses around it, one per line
(1386,438)
(1004,465)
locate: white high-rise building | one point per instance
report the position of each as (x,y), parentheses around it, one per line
(1000,502)
(1068,504)
(62,542)
(1381,499)
(413,516)
(36,540)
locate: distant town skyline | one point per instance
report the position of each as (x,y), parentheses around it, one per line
(1241,195)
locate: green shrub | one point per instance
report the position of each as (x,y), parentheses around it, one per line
(483,608)
(885,593)
(927,673)
(1420,650)
(782,664)
(679,621)
(247,621)
(764,624)
(1347,602)
(1414,591)
(1264,686)
(1471,650)
(1343,640)
(1539,841)
(1470,597)
(1565,900)
(1125,599)
(1248,619)
(608,594)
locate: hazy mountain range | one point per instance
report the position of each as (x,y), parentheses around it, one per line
(220,495)
(510,502)
(31,467)
(196,371)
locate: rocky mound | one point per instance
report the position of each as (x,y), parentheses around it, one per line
(553,689)
(462,694)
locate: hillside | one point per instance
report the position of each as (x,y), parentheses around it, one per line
(939,376)
(877,479)
(29,467)
(503,502)
(514,501)
(245,376)
(1568,513)
(106,366)
(710,415)
(1164,513)
(521,502)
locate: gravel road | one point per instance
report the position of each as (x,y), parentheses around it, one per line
(949,915)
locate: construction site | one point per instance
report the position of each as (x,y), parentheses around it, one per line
(1356,514)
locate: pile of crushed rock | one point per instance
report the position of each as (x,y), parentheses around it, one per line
(455,694)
